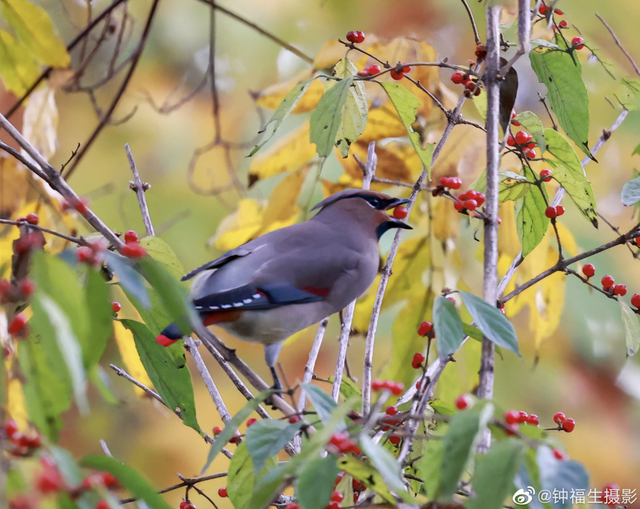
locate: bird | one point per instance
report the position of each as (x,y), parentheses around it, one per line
(289,279)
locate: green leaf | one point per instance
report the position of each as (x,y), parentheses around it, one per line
(629,95)
(130,280)
(161,252)
(570,174)
(429,466)
(137,485)
(533,124)
(531,221)
(348,388)
(406,103)
(631,322)
(493,324)
(67,466)
(46,389)
(240,478)
(231,426)
(315,482)
(266,485)
(99,377)
(35,31)
(327,117)
(322,403)
(167,369)
(465,429)
(636,150)
(512,186)
(492,480)
(385,463)
(448,326)
(355,111)
(631,192)
(17,68)
(558,475)
(364,472)
(282,112)
(567,94)
(268,437)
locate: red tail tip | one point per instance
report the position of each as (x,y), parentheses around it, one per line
(165,341)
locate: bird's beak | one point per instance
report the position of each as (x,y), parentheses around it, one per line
(399,224)
(395,203)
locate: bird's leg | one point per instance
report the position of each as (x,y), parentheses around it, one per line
(271,356)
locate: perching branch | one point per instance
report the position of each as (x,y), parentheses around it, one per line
(140,188)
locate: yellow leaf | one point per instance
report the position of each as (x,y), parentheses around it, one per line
(282,209)
(508,240)
(16,403)
(41,121)
(390,163)
(548,302)
(569,244)
(35,31)
(287,154)
(17,68)
(412,259)
(271,97)
(160,251)
(130,357)
(383,122)
(446,220)
(240,226)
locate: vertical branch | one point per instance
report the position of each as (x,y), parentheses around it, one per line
(311,363)
(345,331)
(492,84)
(140,189)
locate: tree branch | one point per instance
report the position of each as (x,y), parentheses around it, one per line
(619,44)
(140,189)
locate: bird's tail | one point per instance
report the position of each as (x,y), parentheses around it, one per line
(169,335)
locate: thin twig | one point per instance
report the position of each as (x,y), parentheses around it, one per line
(524,34)
(186,481)
(311,363)
(140,189)
(64,236)
(619,44)
(476,35)
(105,448)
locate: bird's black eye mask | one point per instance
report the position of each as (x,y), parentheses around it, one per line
(380,203)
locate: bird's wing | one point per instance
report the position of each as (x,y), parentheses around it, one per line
(238,252)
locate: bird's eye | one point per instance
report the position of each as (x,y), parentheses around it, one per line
(375,202)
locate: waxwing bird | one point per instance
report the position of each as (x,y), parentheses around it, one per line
(286,280)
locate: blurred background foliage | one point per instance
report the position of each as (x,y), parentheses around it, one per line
(580,369)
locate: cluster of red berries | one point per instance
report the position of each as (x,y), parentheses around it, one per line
(81,205)
(31,218)
(469,201)
(131,247)
(355,36)
(398,72)
(343,444)
(553,212)
(27,242)
(236,438)
(523,141)
(91,254)
(335,503)
(395,388)
(372,70)
(515,417)
(451,182)
(418,359)
(471,86)
(390,420)
(22,290)
(609,286)
(23,445)
(425,328)
(463,402)
(564,423)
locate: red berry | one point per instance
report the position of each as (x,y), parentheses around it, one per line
(611,494)
(406,69)
(396,75)
(235,439)
(49,481)
(397,388)
(635,300)
(512,429)
(418,384)
(542,9)
(222,492)
(523,137)
(559,210)
(11,427)
(511,141)
(457,78)
(18,323)
(559,418)
(455,183)
(292,505)
(217,430)
(32,441)
(523,416)
(333,505)
(103,504)
(607,282)
(513,119)
(251,422)
(550,212)
(545,175)
(359,36)
(373,69)
(577,42)
(391,410)
(470,204)
(400,212)
(133,251)
(480,199)
(293,419)
(458,205)
(417,361)
(530,153)
(463,401)
(377,385)
(470,85)
(533,419)
(32,218)
(187,505)
(589,270)
(478,91)
(131,237)
(116,306)
(81,205)
(512,417)
(336,496)
(394,439)
(27,287)
(559,12)
(425,327)
(85,255)
(351,36)
(569,425)
(559,454)
(563,23)
(620,290)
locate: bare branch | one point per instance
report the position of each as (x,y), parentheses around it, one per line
(64,236)
(619,44)
(476,35)
(140,189)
